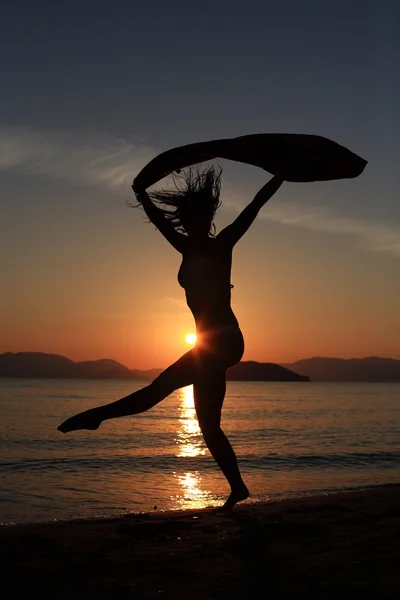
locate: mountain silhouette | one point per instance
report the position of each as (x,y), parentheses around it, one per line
(49,366)
(256,371)
(370,369)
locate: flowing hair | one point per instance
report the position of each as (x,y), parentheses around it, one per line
(195,189)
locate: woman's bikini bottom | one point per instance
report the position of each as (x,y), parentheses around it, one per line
(225,344)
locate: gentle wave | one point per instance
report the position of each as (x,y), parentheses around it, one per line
(289,439)
(138,463)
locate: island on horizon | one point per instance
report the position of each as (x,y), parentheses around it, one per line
(52,366)
(49,366)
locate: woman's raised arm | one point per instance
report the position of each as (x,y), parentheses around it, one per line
(156,216)
(233,232)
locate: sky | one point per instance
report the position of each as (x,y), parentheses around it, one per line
(93,91)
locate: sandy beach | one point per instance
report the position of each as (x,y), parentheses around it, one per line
(343,545)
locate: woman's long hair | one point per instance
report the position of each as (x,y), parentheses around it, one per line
(195,190)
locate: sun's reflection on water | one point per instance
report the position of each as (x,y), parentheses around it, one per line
(189,438)
(190,444)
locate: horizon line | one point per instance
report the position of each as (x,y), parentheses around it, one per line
(315,357)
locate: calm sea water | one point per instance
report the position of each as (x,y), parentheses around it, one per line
(290,438)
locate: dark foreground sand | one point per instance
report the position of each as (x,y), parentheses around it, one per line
(338,546)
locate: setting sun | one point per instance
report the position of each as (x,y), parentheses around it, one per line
(191,338)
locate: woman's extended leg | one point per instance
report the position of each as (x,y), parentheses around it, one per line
(209,393)
(182,373)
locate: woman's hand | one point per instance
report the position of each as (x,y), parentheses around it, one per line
(140,192)
(278,178)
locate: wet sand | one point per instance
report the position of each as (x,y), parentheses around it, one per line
(344,545)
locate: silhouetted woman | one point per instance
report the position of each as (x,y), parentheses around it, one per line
(185,218)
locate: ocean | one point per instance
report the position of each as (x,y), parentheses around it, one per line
(291,439)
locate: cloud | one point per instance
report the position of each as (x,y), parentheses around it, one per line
(372,235)
(176,301)
(91,160)
(105,161)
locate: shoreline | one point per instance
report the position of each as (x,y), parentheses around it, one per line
(335,545)
(170,512)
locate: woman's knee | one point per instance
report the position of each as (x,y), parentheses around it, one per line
(210,428)
(162,384)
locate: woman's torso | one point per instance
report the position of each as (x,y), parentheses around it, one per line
(205,274)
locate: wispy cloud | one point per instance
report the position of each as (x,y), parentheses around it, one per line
(90,160)
(372,235)
(176,302)
(102,160)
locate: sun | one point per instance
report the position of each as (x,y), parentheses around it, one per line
(191,338)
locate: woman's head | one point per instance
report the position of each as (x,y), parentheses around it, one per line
(191,206)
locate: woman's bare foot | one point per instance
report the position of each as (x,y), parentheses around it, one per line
(236,496)
(85,420)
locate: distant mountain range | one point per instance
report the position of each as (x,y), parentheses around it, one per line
(41,365)
(48,366)
(370,369)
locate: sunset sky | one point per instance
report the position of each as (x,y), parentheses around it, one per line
(90,94)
